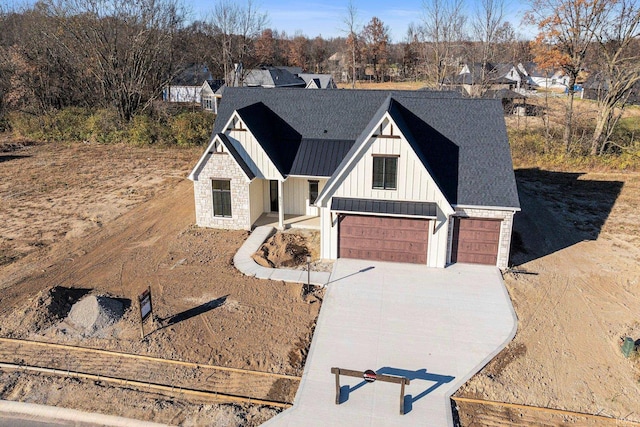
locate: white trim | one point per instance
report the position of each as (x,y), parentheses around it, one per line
(209,152)
(191,176)
(308,177)
(384,214)
(492,208)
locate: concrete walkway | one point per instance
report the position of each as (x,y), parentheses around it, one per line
(437,327)
(242,261)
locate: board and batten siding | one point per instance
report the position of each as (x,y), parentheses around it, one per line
(296,194)
(255,199)
(252,153)
(414,183)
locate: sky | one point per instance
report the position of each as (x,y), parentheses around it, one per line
(326,18)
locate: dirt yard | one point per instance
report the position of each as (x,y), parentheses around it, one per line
(113,220)
(578,240)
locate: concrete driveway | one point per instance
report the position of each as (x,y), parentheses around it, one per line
(436,327)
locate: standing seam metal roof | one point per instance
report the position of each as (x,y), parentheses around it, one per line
(389,207)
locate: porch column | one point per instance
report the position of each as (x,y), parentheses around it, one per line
(281,205)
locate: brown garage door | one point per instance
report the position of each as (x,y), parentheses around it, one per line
(383,238)
(475,240)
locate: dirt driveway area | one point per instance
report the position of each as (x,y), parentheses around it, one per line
(578,239)
(113,220)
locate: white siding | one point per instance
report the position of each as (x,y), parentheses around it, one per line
(183,94)
(252,153)
(296,194)
(255,199)
(414,183)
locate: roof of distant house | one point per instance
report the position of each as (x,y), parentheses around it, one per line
(272,77)
(194,75)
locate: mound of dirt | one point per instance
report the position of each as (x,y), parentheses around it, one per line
(94,313)
(283,250)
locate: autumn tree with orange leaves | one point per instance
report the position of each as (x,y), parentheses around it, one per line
(375,37)
(567,29)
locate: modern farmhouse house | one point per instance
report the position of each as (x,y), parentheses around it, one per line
(402,176)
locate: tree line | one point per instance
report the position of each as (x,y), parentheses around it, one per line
(120,54)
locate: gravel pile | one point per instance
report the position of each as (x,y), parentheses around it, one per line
(93,313)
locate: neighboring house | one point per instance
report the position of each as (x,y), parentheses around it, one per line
(318,81)
(547,79)
(405,176)
(476,78)
(596,87)
(512,102)
(211,93)
(187,86)
(271,77)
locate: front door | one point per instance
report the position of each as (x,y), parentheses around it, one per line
(273,195)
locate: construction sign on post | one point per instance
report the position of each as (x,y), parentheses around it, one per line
(146,308)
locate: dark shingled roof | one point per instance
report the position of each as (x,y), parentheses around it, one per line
(390,207)
(195,75)
(234,153)
(279,140)
(462,142)
(273,77)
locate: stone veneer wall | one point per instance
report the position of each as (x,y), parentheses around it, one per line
(506,228)
(222,166)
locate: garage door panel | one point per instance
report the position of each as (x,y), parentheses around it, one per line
(383,238)
(476,240)
(363,232)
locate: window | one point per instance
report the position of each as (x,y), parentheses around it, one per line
(221,198)
(313,192)
(385,172)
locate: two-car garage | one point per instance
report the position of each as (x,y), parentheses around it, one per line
(379,238)
(364,235)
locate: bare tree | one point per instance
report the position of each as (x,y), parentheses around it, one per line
(443,28)
(567,29)
(237,26)
(124,45)
(619,68)
(486,23)
(350,22)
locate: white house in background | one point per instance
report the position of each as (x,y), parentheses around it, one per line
(407,176)
(547,79)
(211,94)
(187,86)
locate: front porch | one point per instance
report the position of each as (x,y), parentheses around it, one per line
(309,222)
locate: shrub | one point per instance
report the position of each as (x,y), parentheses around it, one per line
(184,128)
(191,128)
(104,126)
(142,130)
(67,125)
